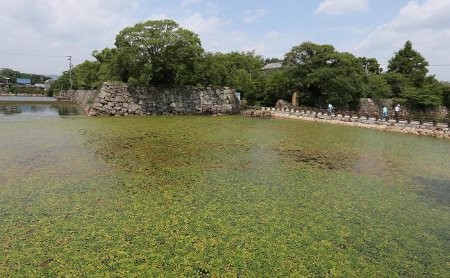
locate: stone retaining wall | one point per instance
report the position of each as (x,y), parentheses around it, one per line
(441,130)
(85,98)
(124,100)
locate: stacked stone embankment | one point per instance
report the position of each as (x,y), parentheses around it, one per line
(440,130)
(124,100)
(85,98)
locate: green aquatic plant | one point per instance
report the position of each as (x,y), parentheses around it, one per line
(220,196)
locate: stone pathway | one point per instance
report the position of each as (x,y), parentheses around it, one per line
(441,130)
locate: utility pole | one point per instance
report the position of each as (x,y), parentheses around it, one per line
(70,70)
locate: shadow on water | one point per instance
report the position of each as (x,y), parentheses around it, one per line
(436,189)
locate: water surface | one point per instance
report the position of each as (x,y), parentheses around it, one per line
(14,108)
(220,196)
(23,98)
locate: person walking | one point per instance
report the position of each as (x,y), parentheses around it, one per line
(397,112)
(330,108)
(385,113)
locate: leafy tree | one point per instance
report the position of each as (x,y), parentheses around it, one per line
(377,87)
(410,63)
(85,75)
(157,52)
(277,86)
(240,70)
(371,65)
(407,72)
(272,60)
(321,74)
(108,70)
(62,83)
(400,84)
(446,94)
(429,94)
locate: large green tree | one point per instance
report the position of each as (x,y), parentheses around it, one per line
(86,75)
(377,87)
(277,86)
(407,75)
(446,94)
(371,65)
(158,51)
(62,83)
(323,75)
(240,70)
(410,63)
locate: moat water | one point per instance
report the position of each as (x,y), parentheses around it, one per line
(14,108)
(112,194)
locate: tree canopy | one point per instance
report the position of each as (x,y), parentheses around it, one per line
(407,75)
(410,63)
(323,75)
(240,70)
(157,52)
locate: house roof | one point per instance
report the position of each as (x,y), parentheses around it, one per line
(272,66)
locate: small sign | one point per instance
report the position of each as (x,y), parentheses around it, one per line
(23,81)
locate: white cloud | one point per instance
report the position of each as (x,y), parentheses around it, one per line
(271,44)
(47,29)
(197,23)
(185,3)
(425,24)
(239,37)
(338,7)
(253,16)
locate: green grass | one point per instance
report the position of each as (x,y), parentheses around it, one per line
(220,196)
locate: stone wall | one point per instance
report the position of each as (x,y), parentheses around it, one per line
(85,98)
(123,100)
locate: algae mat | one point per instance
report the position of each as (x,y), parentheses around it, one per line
(220,197)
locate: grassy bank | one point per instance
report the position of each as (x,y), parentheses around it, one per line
(221,196)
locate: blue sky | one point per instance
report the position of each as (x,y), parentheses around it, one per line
(36,35)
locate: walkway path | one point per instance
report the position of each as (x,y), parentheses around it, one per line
(440,130)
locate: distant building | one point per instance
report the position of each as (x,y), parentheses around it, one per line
(37,85)
(5,81)
(23,81)
(272,66)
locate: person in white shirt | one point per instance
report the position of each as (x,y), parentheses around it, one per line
(397,111)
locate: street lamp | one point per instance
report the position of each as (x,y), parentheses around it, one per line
(70,71)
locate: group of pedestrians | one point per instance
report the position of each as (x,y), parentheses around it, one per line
(384,112)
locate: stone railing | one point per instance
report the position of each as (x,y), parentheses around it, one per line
(420,126)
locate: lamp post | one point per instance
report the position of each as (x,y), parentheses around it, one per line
(70,71)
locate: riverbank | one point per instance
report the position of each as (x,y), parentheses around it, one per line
(439,130)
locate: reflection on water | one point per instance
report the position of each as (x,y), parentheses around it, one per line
(28,99)
(20,108)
